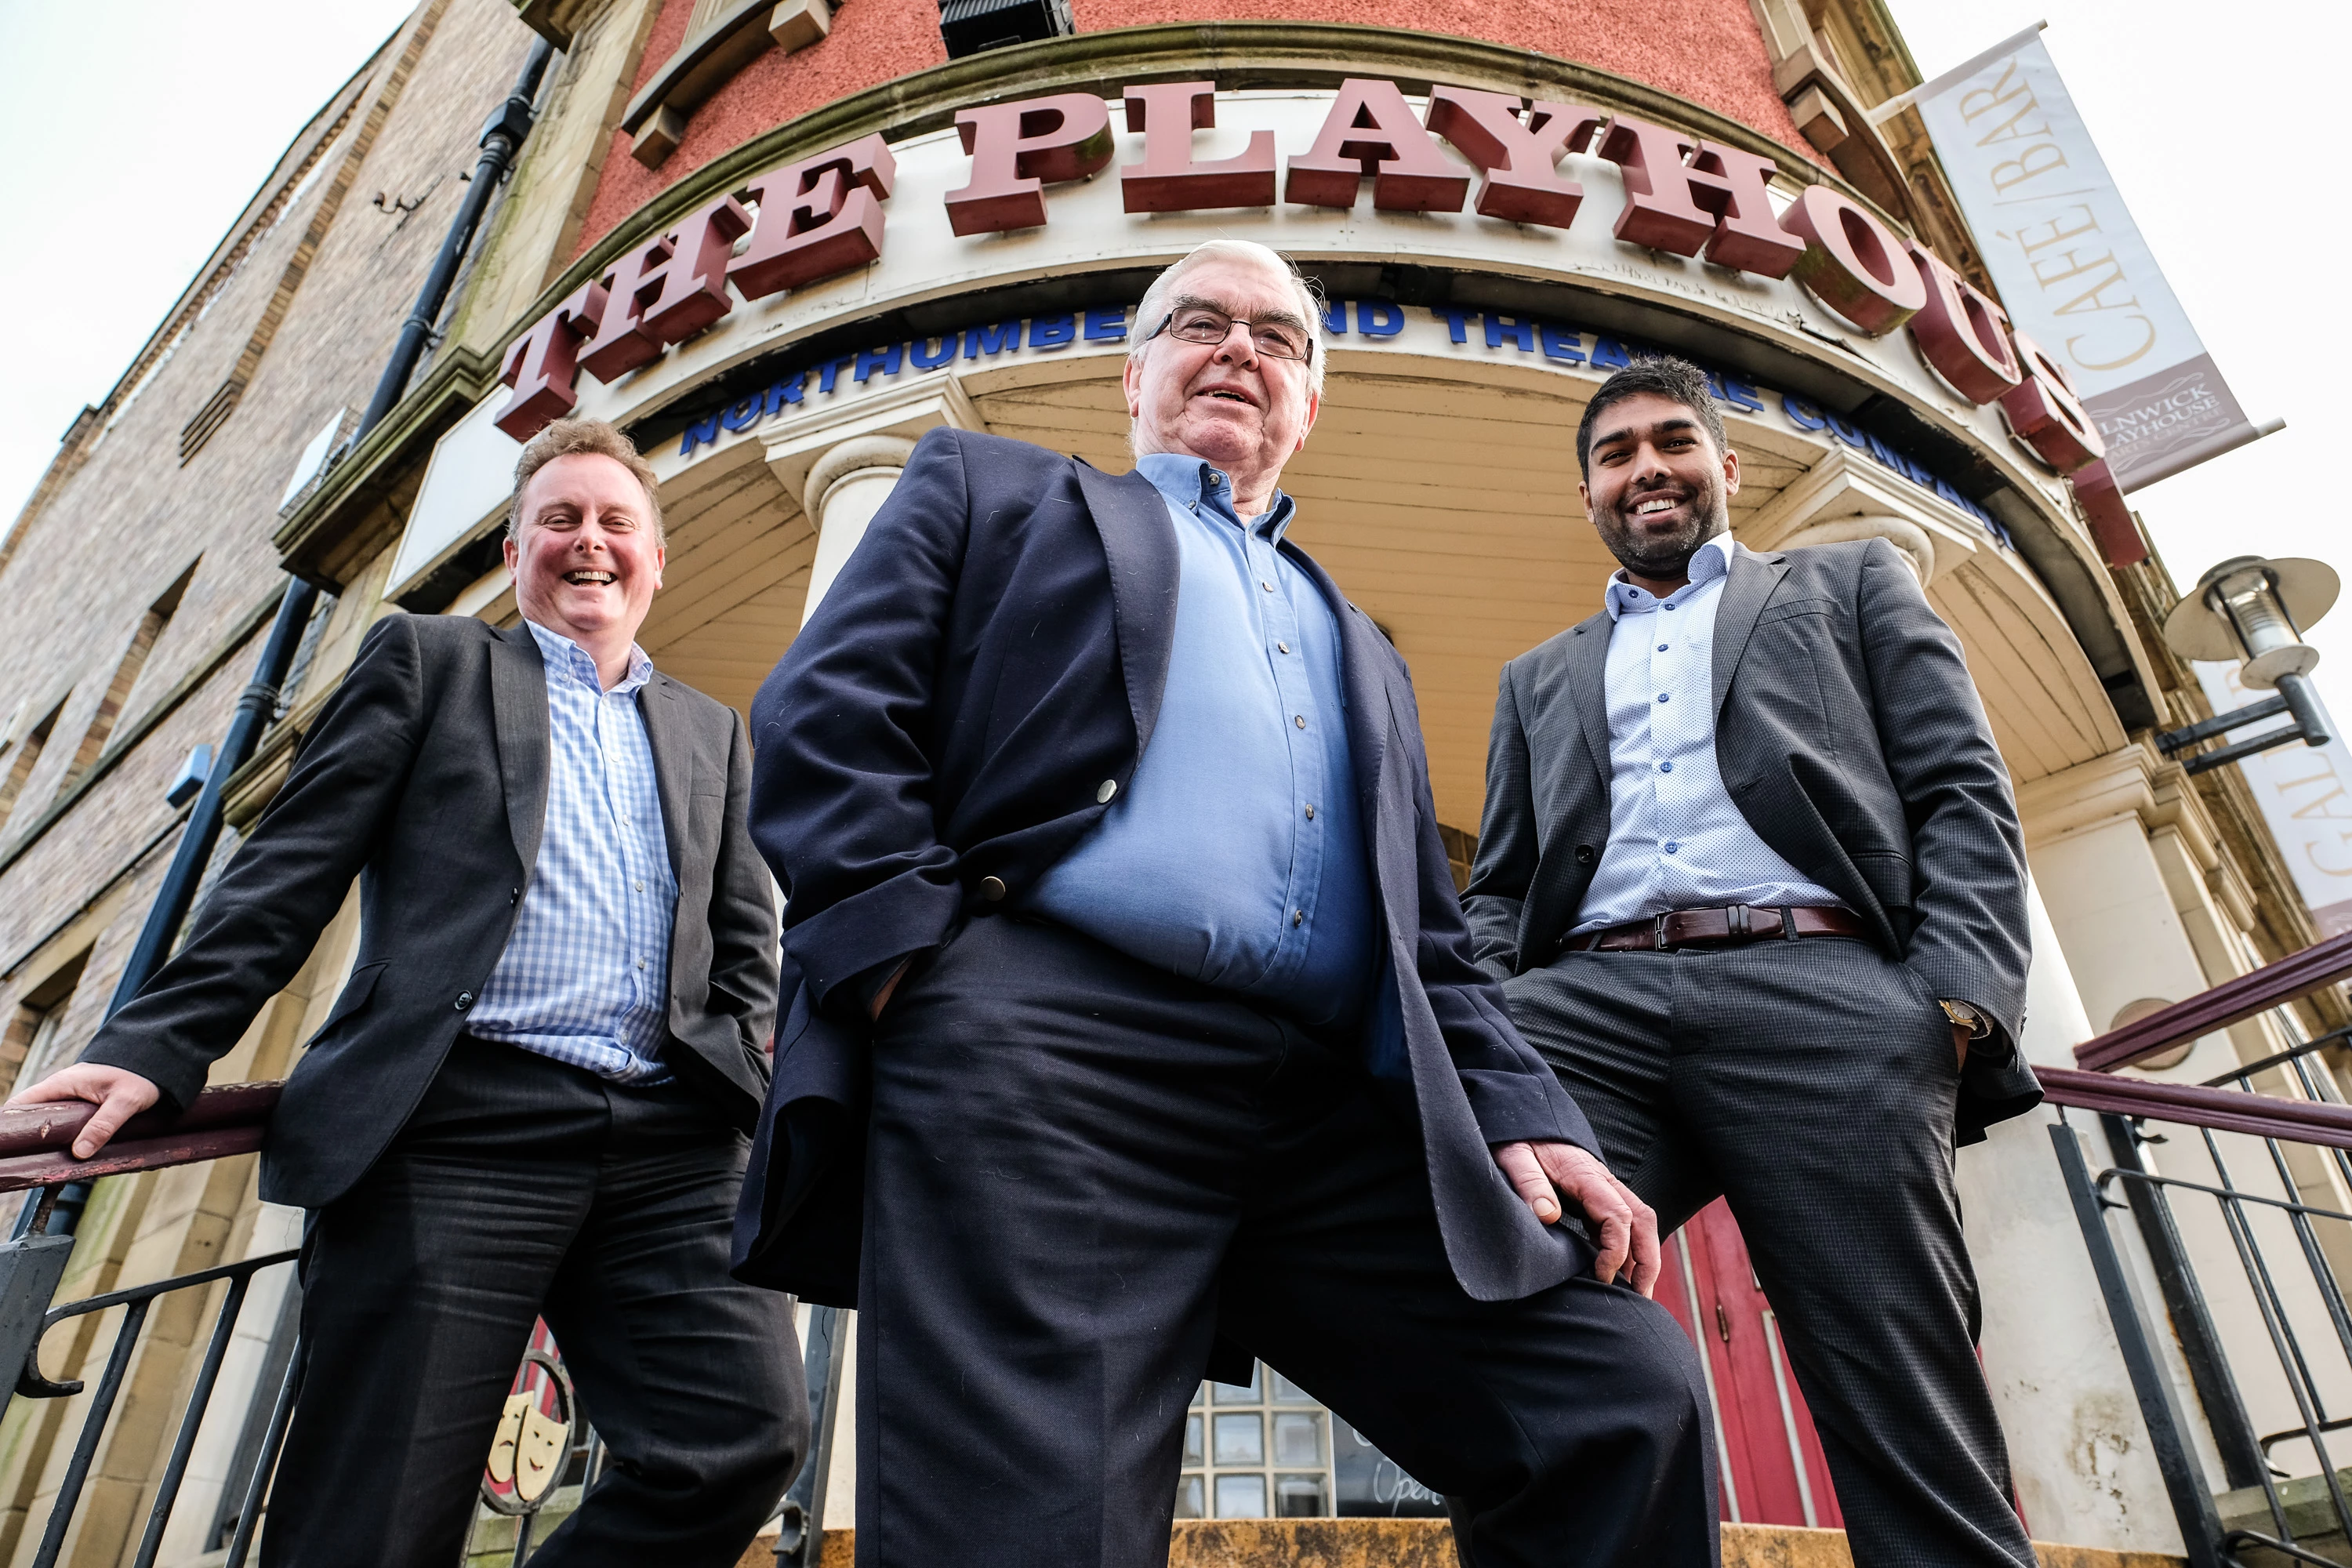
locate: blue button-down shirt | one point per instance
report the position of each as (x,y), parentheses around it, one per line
(1235,856)
(1676,840)
(585,975)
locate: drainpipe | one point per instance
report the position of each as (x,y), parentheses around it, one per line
(501,136)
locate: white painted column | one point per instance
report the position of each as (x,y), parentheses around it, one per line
(846,486)
(2077,1446)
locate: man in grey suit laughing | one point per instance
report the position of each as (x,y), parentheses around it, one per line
(531,1099)
(1751,873)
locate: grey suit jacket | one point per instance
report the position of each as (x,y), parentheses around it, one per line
(425,777)
(1850,737)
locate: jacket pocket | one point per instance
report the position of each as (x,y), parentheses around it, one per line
(356,994)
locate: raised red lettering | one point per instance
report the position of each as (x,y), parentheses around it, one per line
(2111,519)
(2047,415)
(665,290)
(1016,148)
(1853,263)
(1168,180)
(1715,203)
(544,366)
(1370,131)
(1519,158)
(1963,334)
(818,217)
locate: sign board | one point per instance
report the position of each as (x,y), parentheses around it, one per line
(2072,270)
(2306,793)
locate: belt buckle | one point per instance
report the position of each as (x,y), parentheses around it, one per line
(1658,934)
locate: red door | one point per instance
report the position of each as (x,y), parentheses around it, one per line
(1773,1470)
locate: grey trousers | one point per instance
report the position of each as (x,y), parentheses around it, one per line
(1811,1084)
(520,1188)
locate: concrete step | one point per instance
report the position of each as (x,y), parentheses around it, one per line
(1429,1543)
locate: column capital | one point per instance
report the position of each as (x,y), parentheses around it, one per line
(1842,498)
(794,445)
(839,462)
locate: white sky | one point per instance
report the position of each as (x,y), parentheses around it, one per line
(131,160)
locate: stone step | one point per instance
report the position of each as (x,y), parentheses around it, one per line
(1429,1543)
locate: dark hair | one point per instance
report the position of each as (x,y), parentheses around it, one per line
(1676,380)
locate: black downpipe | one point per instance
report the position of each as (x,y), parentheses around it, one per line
(501,136)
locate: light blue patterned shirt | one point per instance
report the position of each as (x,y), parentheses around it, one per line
(1236,855)
(1676,840)
(586,976)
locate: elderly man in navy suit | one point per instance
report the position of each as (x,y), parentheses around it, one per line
(1134,1029)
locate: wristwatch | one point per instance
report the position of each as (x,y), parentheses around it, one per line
(1969,1018)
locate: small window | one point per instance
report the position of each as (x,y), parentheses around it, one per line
(35,1043)
(1263,1451)
(126,676)
(18,766)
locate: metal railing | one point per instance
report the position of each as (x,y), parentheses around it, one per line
(2233,1307)
(35,1157)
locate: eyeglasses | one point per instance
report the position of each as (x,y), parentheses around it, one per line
(1201,325)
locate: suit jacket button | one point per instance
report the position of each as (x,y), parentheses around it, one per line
(1586,855)
(465,999)
(991,888)
(1104,791)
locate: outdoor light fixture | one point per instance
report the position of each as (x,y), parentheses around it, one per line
(968,26)
(2254,611)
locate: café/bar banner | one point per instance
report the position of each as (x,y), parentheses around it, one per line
(2070,265)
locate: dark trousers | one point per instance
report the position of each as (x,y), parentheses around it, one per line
(1811,1083)
(1080,1169)
(523,1187)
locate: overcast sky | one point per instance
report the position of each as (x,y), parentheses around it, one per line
(132,160)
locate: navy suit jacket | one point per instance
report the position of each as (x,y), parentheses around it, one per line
(994,648)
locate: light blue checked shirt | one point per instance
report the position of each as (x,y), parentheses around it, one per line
(1676,839)
(586,976)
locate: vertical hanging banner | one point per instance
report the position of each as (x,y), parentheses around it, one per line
(2070,263)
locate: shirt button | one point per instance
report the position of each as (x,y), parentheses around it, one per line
(1104,790)
(1662,648)
(993,888)
(1298,919)
(1669,609)
(641,886)
(1282,647)
(1310,814)
(1663,767)
(1662,697)
(1299,720)
(641,963)
(1267,586)
(1671,847)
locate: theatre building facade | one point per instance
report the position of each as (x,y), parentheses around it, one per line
(779,242)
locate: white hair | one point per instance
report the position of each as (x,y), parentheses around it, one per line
(1307,297)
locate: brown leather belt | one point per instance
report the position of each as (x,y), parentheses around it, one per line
(1735,924)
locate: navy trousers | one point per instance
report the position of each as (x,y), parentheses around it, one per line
(1081,1170)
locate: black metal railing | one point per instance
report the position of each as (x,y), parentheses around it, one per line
(2238,1199)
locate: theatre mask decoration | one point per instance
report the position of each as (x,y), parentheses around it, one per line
(819,217)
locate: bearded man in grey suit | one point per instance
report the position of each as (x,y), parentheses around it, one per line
(1751,874)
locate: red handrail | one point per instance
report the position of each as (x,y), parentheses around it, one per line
(2194,1105)
(36,1141)
(2233,1001)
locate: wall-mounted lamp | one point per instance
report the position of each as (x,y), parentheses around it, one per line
(2254,611)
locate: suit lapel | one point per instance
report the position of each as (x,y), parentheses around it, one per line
(1746,588)
(1587,686)
(518,715)
(1140,544)
(672,738)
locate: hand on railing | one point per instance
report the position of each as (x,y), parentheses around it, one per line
(40,1140)
(118,1094)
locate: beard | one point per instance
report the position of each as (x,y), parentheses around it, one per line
(1649,553)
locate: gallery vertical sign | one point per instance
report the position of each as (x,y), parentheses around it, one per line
(2072,267)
